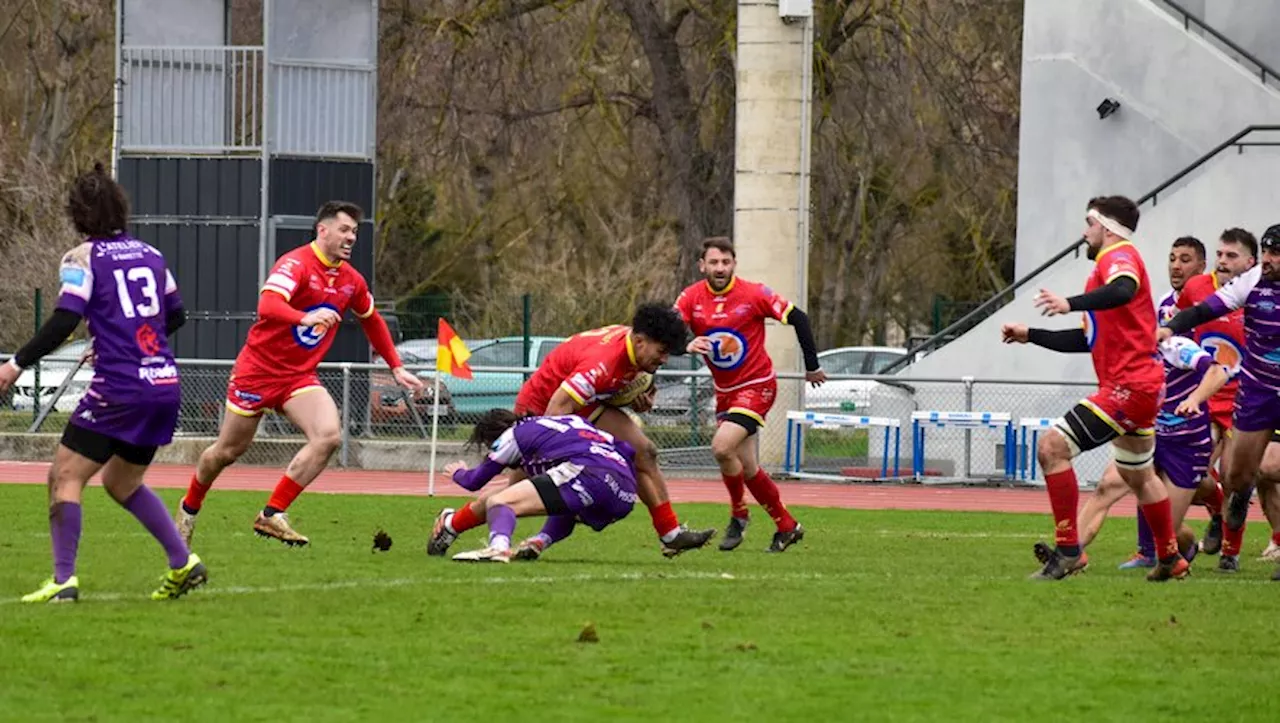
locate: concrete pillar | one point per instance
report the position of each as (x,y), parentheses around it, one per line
(767,224)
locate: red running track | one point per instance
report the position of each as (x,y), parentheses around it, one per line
(845,496)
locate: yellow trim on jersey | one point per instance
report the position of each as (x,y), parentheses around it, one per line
(787,312)
(1108,249)
(1097,411)
(746,413)
(304,390)
(242,412)
(572,394)
(1119,274)
(369,313)
(727,287)
(276,289)
(631,350)
(315,247)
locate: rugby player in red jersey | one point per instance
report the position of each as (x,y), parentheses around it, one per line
(1119,333)
(299,308)
(727,315)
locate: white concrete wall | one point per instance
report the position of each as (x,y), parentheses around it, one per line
(1252,24)
(1234,189)
(1180,97)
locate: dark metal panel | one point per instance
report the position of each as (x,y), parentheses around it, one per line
(167,187)
(207,201)
(208,248)
(188,187)
(246,269)
(248,183)
(299,186)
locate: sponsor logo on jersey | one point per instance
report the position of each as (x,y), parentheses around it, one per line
(1224,349)
(309,337)
(728,349)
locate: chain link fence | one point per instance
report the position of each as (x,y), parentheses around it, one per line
(384,429)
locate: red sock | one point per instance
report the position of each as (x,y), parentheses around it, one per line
(1064,499)
(1232,540)
(765,490)
(664,519)
(737,490)
(194,498)
(1213,500)
(285,493)
(465,519)
(1160,519)
(1275,537)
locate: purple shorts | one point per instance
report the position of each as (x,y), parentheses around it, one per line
(143,424)
(1257,406)
(598,497)
(1184,458)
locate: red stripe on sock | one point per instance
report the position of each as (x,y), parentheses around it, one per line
(765,490)
(1232,540)
(465,519)
(737,493)
(1064,499)
(285,493)
(664,519)
(194,499)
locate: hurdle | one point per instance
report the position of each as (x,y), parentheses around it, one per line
(797,421)
(1028,454)
(963,420)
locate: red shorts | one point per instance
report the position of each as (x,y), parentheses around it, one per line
(1221,406)
(1128,411)
(250,394)
(755,401)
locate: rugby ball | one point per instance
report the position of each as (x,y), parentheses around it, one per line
(628,394)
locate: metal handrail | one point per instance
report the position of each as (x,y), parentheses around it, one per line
(999,298)
(1188,19)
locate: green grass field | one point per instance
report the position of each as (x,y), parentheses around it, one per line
(876,616)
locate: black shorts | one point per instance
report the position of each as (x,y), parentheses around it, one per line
(550,495)
(100,448)
(747,422)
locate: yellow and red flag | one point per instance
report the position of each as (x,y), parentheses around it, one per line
(451,353)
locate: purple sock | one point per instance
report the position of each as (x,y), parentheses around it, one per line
(151,512)
(502,522)
(1146,541)
(556,528)
(65,520)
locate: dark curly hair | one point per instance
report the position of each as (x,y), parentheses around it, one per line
(97,205)
(661,323)
(491,426)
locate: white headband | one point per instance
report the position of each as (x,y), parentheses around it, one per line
(1111,224)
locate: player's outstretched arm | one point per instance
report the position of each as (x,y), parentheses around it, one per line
(808,347)
(50,336)
(1188,319)
(1070,341)
(473,479)
(563,402)
(1118,292)
(379,335)
(1216,377)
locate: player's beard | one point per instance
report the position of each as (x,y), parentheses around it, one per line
(717,285)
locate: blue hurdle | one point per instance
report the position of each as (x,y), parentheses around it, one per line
(796,422)
(964,420)
(1035,424)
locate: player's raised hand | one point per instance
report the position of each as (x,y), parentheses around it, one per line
(455,467)
(408,380)
(324,316)
(1050,304)
(700,345)
(1014,333)
(815,377)
(1187,408)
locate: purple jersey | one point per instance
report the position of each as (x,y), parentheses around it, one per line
(1185,364)
(1167,307)
(124,291)
(1260,300)
(560,447)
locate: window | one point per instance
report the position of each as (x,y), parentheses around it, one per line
(501,354)
(882,359)
(843,362)
(545,350)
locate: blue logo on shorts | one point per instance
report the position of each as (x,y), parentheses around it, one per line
(310,337)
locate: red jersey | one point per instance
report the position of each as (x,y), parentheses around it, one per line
(1223,337)
(308,281)
(590,367)
(734,321)
(1122,340)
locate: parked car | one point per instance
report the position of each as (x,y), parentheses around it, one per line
(389,403)
(850,394)
(679,393)
(490,389)
(53,370)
